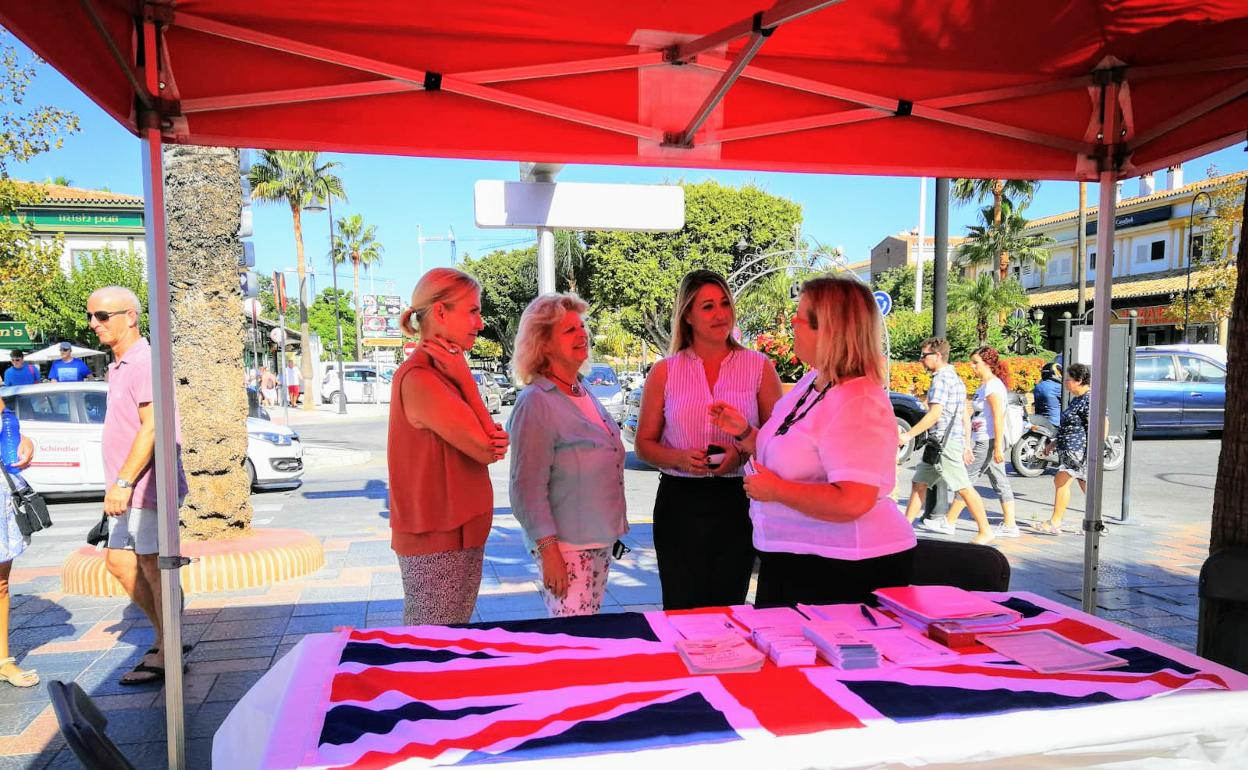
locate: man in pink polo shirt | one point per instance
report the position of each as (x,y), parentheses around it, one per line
(129,450)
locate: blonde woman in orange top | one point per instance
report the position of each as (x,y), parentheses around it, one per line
(441,439)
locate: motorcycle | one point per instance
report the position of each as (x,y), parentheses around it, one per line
(1029,458)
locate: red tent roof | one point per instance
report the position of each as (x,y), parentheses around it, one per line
(984,88)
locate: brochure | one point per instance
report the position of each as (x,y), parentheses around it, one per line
(1047,652)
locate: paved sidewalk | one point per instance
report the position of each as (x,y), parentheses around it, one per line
(1148,574)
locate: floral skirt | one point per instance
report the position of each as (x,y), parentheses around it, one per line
(587,582)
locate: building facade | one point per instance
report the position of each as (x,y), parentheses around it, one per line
(88,220)
(901,249)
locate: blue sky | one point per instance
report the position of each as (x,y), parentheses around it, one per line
(398,193)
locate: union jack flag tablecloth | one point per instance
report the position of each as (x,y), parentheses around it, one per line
(594,691)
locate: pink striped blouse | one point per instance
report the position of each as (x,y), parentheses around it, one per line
(686,424)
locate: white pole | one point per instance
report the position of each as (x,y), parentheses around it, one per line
(918,257)
(545,260)
(160,324)
(420,241)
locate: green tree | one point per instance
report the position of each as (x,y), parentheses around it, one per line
(357,243)
(323,323)
(768,304)
(508,284)
(1018,192)
(1214,273)
(638,273)
(484,348)
(898,283)
(983,298)
(990,245)
(296,178)
(571,266)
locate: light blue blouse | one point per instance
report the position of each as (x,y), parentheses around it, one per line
(567,474)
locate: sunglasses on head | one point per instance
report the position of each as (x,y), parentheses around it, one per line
(103,315)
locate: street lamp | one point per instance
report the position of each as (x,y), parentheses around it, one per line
(1191,222)
(316,207)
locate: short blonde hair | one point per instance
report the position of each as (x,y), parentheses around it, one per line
(849,329)
(537,323)
(690,285)
(441,284)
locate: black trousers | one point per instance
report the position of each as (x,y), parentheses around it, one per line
(784,579)
(703,540)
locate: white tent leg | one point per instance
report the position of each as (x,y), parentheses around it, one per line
(1101,317)
(160,326)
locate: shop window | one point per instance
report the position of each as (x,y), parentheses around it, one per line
(1158,251)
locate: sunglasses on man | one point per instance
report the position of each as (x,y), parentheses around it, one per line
(103,315)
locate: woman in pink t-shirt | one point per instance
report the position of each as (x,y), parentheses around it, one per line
(825,525)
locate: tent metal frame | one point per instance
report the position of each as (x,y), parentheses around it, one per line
(159,115)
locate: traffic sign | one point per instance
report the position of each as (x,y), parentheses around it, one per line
(409,348)
(883,302)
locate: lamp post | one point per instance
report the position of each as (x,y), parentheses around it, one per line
(342,391)
(1191,223)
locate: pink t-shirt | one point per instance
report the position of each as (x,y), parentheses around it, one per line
(129,386)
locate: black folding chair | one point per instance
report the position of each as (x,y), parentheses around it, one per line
(82,725)
(965,565)
(1222,634)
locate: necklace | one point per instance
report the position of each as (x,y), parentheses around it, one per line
(575,386)
(793,417)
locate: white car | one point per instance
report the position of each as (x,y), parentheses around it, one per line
(363,386)
(66,420)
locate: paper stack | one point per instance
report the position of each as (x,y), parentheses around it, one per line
(785,645)
(841,646)
(923,605)
(726,654)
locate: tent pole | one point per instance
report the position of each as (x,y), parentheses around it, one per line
(1101,316)
(160,328)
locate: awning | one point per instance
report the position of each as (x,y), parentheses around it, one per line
(1173,282)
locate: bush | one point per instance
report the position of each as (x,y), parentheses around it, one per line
(779,348)
(910,376)
(907,330)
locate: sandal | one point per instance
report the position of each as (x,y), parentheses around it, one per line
(23,677)
(154,674)
(1048,528)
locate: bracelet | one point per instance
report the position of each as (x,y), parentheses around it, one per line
(544,542)
(743,434)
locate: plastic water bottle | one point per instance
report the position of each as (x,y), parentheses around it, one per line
(10,439)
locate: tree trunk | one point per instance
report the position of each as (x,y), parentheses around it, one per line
(1003,259)
(202,205)
(355,267)
(305,333)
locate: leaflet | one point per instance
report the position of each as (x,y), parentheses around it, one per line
(1047,652)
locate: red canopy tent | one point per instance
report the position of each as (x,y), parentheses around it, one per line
(1058,89)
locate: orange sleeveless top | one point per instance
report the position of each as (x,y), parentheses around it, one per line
(440,498)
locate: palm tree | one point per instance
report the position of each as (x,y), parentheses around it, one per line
(358,243)
(296,178)
(1018,192)
(984,298)
(989,245)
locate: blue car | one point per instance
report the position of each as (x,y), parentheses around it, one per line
(1179,387)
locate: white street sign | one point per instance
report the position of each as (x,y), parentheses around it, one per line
(579,206)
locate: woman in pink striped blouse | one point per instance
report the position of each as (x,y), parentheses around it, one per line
(702,532)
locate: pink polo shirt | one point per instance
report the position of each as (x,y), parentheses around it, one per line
(129,386)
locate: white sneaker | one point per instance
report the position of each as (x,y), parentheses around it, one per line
(940,525)
(1003,531)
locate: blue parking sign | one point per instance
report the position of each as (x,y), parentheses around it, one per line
(884,302)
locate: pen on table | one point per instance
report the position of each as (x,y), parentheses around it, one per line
(866,613)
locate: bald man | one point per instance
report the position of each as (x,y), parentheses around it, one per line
(129,441)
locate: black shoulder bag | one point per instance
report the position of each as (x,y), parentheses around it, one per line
(932,448)
(30,510)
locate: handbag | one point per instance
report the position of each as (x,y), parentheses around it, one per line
(932,448)
(99,533)
(29,509)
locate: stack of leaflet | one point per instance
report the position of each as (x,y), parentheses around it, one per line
(785,645)
(841,646)
(726,654)
(923,605)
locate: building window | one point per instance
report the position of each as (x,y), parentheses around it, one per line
(1158,251)
(1198,247)
(1091,260)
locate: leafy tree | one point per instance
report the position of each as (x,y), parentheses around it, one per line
(508,284)
(323,323)
(1018,192)
(571,267)
(990,245)
(983,298)
(296,178)
(638,273)
(769,303)
(1214,273)
(358,243)
(1024,336)
(898,283)
(907,330)
(486,348)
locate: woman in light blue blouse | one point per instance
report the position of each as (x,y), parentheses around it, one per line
(567,466)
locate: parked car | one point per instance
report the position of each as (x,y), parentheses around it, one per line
(632,380)
(491,394)
(907,410)
(1179,387)
(66,423)
(605,386)
(507,386)
(363,386)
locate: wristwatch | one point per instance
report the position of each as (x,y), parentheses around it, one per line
(743,434)
(123,484)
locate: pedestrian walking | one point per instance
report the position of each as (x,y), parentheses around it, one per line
(20,372)
(12,544)
(441,439)
(567,471)
(824,462)
(1071,445)
(129,444)
(67,368)
(268,387)
(703,537)
(291,380)
(988,438)
(945,454)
